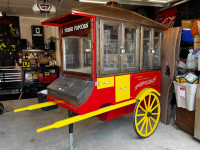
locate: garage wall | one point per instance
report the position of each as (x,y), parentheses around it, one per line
(25,32)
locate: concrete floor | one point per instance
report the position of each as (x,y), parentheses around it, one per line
(17,132)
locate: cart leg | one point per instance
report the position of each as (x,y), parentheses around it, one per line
(20,95)
(71,145)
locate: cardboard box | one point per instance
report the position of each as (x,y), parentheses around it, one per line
(187,23)
(196,38)
(196,46)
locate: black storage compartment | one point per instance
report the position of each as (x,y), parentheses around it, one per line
(74,90)
(42,98)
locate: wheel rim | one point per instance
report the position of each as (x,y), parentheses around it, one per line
(147,115)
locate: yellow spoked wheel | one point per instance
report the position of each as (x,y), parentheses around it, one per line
(146,115)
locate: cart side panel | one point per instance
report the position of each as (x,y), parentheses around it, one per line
(139,81)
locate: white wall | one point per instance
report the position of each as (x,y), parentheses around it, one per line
(49,31)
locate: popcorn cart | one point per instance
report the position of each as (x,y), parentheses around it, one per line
(110,67)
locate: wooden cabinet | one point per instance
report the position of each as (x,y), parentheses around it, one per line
(185,120)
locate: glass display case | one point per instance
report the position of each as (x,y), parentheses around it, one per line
(145,47)
(110,43)
(77,53)
(157,36)
(131,47)
(151,39)
(128,47)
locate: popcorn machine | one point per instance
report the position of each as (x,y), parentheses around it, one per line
(110,67)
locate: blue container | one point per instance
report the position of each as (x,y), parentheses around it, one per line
(187,36)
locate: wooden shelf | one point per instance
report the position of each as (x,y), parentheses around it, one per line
(33,50)
(36,51)
(193,69)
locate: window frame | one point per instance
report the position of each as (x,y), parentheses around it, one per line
(111,23)
(143,29)
(153,46)
(90,30)
(137,28)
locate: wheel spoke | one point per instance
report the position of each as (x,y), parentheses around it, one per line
(145,104)
(141,121)
(154,113)
(153,119)
(143,125)
(147,120)
(154,108)
(140,115)
(142,108)
(150,123)
(149,101)
(152,103)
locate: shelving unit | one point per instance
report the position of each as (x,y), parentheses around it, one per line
(185,119)
(40,55)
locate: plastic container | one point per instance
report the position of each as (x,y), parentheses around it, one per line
(185,95)
(190,63)
(41,78)
(47,79)
(187,36)
(195,27)
(53,77)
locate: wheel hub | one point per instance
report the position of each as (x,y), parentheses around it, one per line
(149,114)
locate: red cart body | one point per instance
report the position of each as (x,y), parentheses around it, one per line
(114,76)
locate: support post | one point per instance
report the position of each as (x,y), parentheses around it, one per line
(71,140)
(71,144)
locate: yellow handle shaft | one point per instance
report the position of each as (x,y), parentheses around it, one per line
(36,106)
(74,119)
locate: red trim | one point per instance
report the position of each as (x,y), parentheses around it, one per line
(73,21)
(49,22)
(61,48)
(63,103)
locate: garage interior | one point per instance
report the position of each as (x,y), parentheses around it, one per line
(44,80)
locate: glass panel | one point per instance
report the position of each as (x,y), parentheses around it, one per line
(146,48)
(130,48)
(77,53)
(111,47)
(156,60)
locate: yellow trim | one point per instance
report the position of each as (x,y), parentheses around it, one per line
(36,106)
(74,119)
(145,92)
(122,88)
(105,82)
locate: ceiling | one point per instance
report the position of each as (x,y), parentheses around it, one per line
(24,7)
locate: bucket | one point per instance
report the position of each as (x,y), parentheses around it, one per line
(185,95)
